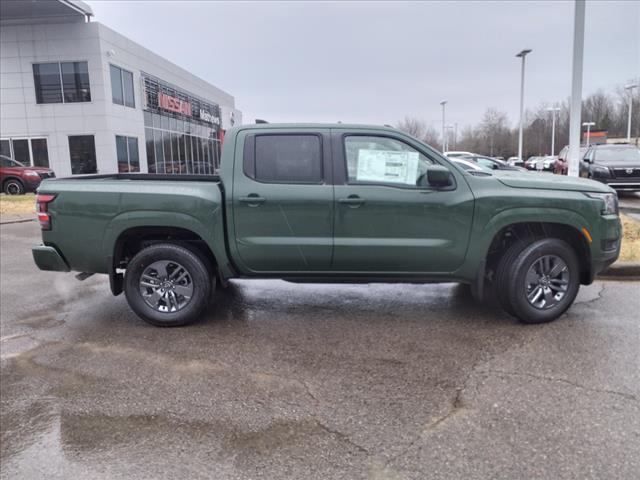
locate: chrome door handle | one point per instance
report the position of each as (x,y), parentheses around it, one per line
(353,201)
(253,200)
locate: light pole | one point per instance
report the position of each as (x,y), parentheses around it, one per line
(444,141)
(630,87)
(455,136)
(448,129)
(522,55)
(573,160)
(588,125)
(553,128)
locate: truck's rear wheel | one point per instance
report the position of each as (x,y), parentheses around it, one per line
(541,281)
(168,285)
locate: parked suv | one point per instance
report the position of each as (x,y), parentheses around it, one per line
(615,165)
(17,178)
(560,166)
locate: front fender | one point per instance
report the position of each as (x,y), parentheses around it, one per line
(485,232)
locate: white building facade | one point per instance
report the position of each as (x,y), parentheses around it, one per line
(80,98)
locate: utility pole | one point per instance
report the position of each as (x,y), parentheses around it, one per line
(522,55)
(576,89)
(553,128)
(630,88)
(444,134)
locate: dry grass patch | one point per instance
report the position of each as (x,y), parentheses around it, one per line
(630,249)
(13,204)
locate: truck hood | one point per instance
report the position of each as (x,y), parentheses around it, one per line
(548,181)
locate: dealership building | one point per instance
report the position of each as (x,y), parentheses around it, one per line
(80,98)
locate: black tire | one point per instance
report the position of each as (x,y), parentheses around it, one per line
(516,283)
(502,275)
(201,280)
(13,186)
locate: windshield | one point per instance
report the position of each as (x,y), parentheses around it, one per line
(618,155)
(9,162)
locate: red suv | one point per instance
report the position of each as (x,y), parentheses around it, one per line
(17,178)
(560,166)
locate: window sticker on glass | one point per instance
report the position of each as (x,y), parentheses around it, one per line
(387,166)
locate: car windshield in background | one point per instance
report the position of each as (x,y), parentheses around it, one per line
(618,155)
(9,162)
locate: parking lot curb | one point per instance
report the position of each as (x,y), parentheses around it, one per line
(19,218)
(622,271)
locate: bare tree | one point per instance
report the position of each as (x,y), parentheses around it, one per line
(412,126)
(420,130)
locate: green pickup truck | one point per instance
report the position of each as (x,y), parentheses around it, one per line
(330,203)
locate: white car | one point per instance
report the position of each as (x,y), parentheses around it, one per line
(454,154)
(469,165)
(515,162)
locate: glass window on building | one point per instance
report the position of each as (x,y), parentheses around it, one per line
(127,153)
(151,156)
(5,148)
(62,82)
(29,151)
(40,152)
(46,77)
(82,151)
(21,151)
(75,82)
(122,86)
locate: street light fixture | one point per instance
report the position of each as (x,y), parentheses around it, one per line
(522,55)
(630,88)
(588,125)
(448,129)
(444,142)
(553,128)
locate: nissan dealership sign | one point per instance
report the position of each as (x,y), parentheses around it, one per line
(161,96)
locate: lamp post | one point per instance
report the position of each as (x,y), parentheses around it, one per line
(553,128)
(455,136)
(573,159)
(448,129)
(630,88)
(522,55)
(444,141)
(588,125)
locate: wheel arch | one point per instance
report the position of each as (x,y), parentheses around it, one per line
(8,178)
(133,230)
(571,233)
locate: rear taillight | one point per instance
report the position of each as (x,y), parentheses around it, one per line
(42,208)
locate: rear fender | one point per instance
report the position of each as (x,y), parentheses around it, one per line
(211,233)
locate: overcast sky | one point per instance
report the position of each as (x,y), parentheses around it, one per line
(375,62)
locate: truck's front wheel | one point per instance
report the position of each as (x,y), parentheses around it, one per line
(167,285)
(542,281)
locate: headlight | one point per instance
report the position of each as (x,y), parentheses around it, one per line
(610,201)
(31,174)
(599,171)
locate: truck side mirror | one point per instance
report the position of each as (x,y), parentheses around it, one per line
(438,176)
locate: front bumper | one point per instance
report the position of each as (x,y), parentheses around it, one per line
(605,248)
(32,185)
(48,258)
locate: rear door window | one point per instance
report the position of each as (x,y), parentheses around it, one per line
(286,159)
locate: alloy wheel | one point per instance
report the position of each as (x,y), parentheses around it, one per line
(547,282)
(166,286)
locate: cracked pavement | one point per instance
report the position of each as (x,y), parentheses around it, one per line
(312,381)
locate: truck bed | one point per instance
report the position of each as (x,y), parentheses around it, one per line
(147,176)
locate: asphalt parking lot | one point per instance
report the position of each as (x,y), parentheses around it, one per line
(312,381)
